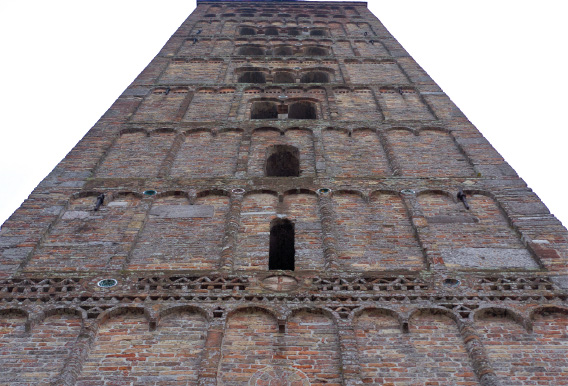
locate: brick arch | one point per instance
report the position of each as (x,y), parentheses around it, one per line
(39,355)
(250,343)
(356,104)
(312,335)
(116,355)
(199,147)
(273,313)
(519,356)
(356,152)
(428,151)
(135,153)
(499,312)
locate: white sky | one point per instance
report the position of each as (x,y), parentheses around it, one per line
(503,62)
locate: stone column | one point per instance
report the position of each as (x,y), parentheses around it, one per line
(78,355)
(349,354)
(434,261)
(231,230)
(208,367)
(477,355)
(326,216)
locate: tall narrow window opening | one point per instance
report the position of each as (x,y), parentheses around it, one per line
(282,161)
(282,251)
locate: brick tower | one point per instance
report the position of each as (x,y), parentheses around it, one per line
(283,197)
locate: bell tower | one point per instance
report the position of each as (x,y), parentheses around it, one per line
(283,196)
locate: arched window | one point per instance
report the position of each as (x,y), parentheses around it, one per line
(252,77)
(271,31)
(302,110)
(282,161)
(315,51)
(315,77)
(264,110)
(284,51)
(317,32)
(284,77)
(251,51)
(281,252)
(293,31)
(247,31)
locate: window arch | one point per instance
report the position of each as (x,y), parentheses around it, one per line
(302,110)
(271,31)
(284,51)
(251,51)
(315,51)
(247,31)
(282,161)
(252,77)
(281,253)
(284,77)
(264,110)
(315,77)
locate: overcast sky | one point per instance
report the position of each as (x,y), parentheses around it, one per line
(503,62)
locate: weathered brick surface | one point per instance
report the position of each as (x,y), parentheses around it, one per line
(193,160)
(377,225)
(83,239)
(375,235)
(527,358)
(432,353)
(429,153)
(136,154)
(357,155)
(36,357)
(127,353)
(181,238)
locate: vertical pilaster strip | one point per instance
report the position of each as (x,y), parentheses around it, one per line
(168,161)
(208,367)
(243,156)
(349,353)
(326,215)
(231,230)
(477,355)
(390,153)
(434,260)
(319,152)
(79,353)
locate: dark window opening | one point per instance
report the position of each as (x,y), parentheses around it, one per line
(251,51)
(281,252)
(317,32)
(247,31)
(264,110)
(284,77)
(271,31)
(284,51)
(315,51)
(282,161)
(293,31)
(302,110)
(252,77)
(315,77)
(284,15)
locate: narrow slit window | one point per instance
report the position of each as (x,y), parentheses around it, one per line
(281,253)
